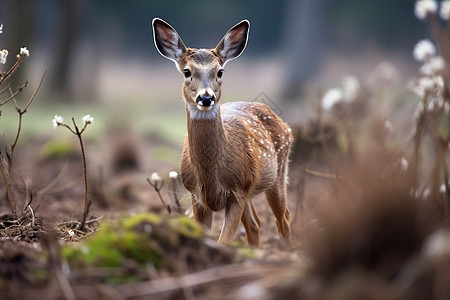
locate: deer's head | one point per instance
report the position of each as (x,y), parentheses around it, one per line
(202,69)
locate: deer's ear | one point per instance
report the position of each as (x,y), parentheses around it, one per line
(234,41)
(167,40)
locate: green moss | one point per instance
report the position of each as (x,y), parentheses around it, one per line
(59,149)
(248,253)
(131,222)
(144,238)
(186,227)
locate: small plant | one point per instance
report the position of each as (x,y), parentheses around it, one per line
(433,111)
(87,120)
(157,183)
(7,155)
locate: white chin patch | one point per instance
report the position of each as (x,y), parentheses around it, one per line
(204,108)
(201,112)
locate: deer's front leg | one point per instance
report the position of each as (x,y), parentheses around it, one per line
(233,215)
(202,214)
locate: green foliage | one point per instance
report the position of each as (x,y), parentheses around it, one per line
(146,239)
(186,227)
(58,149)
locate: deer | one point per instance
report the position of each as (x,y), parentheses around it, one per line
(232,151)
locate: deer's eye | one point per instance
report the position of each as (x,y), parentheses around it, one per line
(187,73)
(220,73)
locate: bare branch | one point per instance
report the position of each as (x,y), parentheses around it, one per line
(12,70)
(15,93)
(34,93)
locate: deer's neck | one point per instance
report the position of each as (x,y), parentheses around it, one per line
(207,143)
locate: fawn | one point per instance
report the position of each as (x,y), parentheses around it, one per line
(233,151)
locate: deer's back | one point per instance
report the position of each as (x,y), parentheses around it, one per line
(264,137)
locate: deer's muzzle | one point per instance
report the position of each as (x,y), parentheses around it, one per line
(205,102)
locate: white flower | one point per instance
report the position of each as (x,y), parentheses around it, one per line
(427,85)
(87,119)
(388,126)
(24,52)
(1,28)
(434,66)
(404,163)
(350,85)
(173,175)
(445,10)
(57,120)
(438,82)
(425,7)
(424,50)
(155,178)
(331,97)
(437,244)
(426,193)
(3,56)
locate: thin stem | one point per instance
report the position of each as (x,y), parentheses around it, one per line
(83,156)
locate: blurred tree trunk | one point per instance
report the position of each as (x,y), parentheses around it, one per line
(69,11)
(18,30)
(302,45)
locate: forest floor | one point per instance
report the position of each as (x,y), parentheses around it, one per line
(33,246)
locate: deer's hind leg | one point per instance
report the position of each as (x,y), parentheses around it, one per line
(277,199)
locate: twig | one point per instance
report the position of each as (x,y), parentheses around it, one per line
(12,70)
(13,94)
(33,224)
(5,89)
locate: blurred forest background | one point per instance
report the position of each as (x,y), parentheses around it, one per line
(76,40)
(100,54)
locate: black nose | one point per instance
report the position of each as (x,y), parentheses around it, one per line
(205,100)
